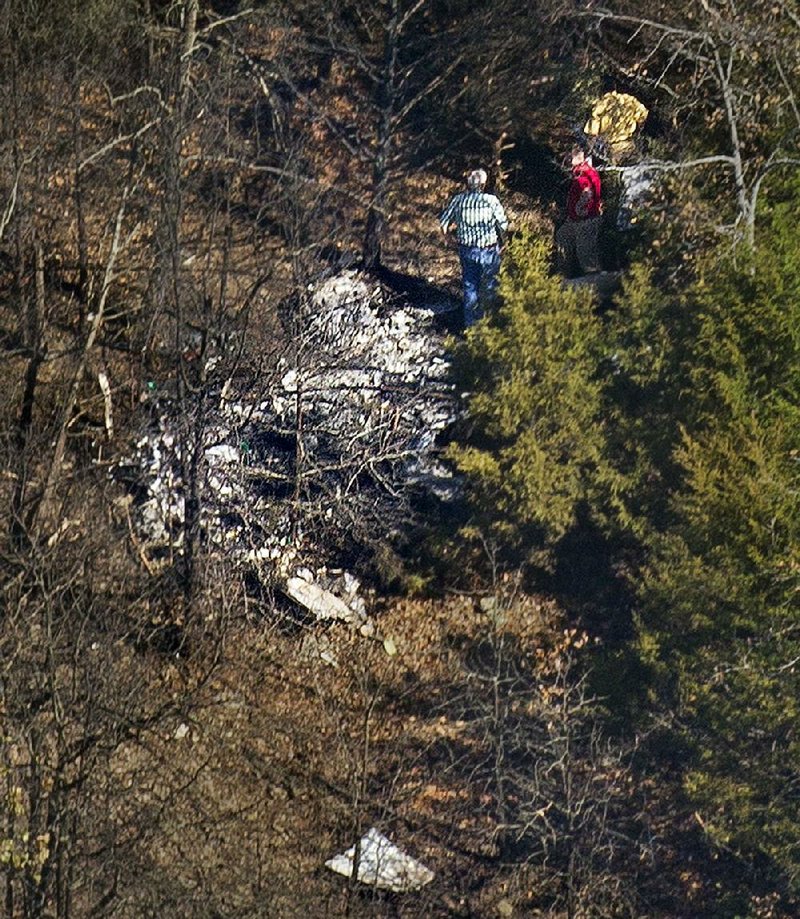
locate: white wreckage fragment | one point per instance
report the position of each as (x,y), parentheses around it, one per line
(636,184)
(340,600)
(378,377)
(382,864)
(322,603)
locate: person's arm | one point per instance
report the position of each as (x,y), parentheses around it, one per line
(500,219)
(583,195)
(597,188)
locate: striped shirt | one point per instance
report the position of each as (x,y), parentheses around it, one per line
(479,218)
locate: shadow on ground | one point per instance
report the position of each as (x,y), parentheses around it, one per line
(418,292)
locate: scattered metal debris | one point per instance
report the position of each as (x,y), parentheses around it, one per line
(362,405)
(382,864)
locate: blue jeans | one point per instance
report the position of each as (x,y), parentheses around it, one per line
(479,268)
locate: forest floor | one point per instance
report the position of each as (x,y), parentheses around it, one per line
(308,735)
(290,754)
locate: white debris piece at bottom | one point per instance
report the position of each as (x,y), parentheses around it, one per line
(381,864)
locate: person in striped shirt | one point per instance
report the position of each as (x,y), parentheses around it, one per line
(480,225)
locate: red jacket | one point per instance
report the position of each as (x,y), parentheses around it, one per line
(583,198)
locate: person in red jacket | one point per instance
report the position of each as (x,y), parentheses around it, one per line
(577,237)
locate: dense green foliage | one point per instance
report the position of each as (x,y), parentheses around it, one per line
(720,590)
(675,417)
(536,400)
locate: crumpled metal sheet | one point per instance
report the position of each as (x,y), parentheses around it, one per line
(382,864)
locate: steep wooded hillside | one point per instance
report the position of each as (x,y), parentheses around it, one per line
(289,558)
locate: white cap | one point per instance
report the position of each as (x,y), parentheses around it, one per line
(477,178)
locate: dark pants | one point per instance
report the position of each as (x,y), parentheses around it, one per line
(479,268)
(577,241)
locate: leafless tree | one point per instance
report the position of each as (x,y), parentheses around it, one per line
(557,789)
(728,73)
(386,62)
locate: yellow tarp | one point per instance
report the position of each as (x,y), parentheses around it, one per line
(615,117)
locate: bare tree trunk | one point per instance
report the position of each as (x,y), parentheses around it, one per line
(42,514)
(499,147)
(360,790)
(387,93)
(34,314)
(148,19)
(188,455)
(78,199)
(742,200)
(9,821)
(192,474)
